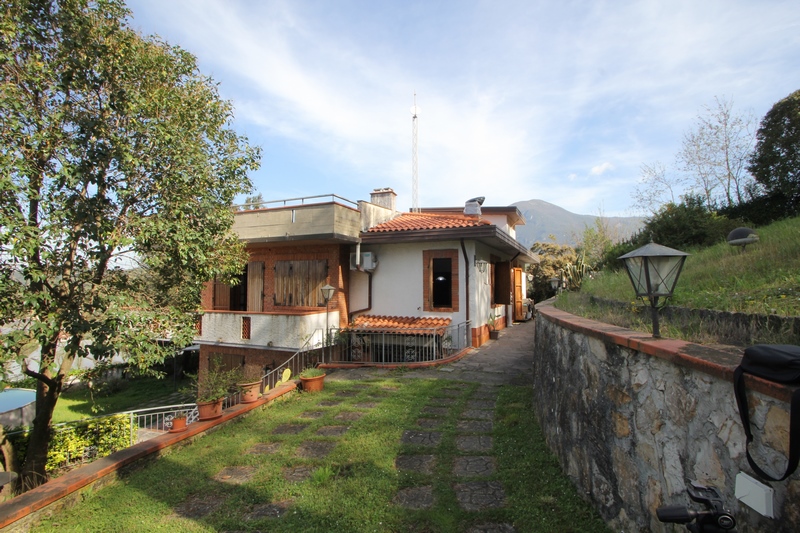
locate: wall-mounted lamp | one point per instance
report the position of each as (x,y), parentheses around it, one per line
(480,264)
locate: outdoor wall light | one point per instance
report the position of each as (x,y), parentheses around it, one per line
(654,270)
(327,294)
(480,264)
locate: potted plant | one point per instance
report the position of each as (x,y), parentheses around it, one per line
(250,385)
(313,379)
(215,386)
(178,422)
(492,325)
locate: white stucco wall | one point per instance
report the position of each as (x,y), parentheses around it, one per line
(278,331)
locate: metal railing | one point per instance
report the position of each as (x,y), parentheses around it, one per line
(393,347)
(309,355)
(295,202)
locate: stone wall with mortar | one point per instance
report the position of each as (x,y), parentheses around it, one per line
(633,420)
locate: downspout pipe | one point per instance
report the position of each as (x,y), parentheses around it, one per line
(466,275)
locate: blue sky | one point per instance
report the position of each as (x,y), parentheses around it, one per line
(557,100)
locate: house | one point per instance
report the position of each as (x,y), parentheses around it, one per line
(427,281)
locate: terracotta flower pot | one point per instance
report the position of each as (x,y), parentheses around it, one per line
(250,391)
(178,425)
(494,334)
(314,384)
(210,410)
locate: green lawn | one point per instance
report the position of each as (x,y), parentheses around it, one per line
(112,397)
(353,487)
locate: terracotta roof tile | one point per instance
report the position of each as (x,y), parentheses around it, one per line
(402,324)
(425,221)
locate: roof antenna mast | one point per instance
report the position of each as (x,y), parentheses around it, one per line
(414,167)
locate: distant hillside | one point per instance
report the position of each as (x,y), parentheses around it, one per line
(543,219)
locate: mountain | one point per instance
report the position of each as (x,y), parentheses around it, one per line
(543,219)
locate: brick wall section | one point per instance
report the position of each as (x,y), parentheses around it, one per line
(632,419)
(338,274)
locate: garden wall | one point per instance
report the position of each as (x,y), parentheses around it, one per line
(633,420)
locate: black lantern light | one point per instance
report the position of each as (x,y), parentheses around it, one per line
(327,294)
(654,270)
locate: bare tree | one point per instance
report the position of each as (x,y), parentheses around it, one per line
(656,187)
(715,154)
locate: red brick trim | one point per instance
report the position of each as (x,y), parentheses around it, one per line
(427,279)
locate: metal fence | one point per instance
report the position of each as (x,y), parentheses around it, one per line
(393,347)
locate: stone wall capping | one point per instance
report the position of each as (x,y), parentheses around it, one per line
(716,361)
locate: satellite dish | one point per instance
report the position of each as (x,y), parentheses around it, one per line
(414,110)
(742,237)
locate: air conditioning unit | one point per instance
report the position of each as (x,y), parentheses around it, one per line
(368,261)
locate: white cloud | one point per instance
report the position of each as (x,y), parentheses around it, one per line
(597,170)
(518,99)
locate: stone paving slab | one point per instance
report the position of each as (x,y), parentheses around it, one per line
(312,414)
(442,402)
(365,405)
(199,505)
(474,443)
(264,448)
(421,438)
(332,431)
(436,411)
(481,414)
(349,416)
(481,404)
(269,510)
(315,449)
(415,498)
(450,391)
(474,465)
(347,393)
(492,528)
(421,464)
(475,426)
(289,429)
(480,495)
(235,475)
(297,473)
(430,423)
(329,403)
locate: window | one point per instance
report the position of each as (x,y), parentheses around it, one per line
(298,283)
(440,278)
(246,295)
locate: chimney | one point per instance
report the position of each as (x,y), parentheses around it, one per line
(473,206)
(384,197)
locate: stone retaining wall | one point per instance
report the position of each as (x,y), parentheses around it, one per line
(633,419)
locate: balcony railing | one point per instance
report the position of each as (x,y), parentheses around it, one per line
(396,346)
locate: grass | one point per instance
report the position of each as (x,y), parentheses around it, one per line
(765,279)
(352,488)
(114,396)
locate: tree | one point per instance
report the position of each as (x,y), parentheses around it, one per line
(114,152)
(553,260)
(715,154)
(656,187)
(775,163)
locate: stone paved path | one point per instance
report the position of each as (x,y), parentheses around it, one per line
(475,484)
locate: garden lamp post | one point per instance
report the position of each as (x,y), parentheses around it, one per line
(555,284)
(327,294)
(654,270)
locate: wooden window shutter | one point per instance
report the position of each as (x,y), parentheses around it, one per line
(255,286)
(222,296)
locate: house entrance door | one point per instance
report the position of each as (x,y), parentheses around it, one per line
(519,310)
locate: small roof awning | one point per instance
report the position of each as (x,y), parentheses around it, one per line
(399,325)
